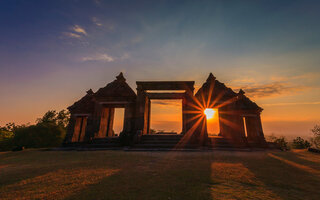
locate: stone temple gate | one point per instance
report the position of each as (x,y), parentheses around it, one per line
(92,117)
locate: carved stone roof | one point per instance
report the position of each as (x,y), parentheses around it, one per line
(244,103)
(222,93)
(219,90)
(85,105)
(116,89)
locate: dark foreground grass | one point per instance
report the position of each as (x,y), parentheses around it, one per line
(35,174)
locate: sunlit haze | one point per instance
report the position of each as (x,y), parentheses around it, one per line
(52,52)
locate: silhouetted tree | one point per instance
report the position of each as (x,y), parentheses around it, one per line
(48,131)
(316,136)
(300,143)
(281,142)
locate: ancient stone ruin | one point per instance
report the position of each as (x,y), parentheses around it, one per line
(92,117)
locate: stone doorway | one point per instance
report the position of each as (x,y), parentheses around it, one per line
(149,90)
(111,122)
(166,116)
(213,122)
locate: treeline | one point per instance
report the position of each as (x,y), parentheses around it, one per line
(49,131)
(298,143)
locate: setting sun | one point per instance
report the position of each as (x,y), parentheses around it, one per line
(209,112)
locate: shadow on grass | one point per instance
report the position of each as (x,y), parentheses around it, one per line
(159,176)
(290,180)
(302,158)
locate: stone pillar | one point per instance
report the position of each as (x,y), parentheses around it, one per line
(148,117)
(89,133)
(141,111)
(83,129)
(110,131)
(252,128)
(259,124)
(70,129)
(103,125)
(184,115)
(128,118)
(77,129)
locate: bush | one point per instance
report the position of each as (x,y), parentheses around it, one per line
(316,139)
(6,140)
(49,131)
(281,142)
(300,143)
(40,135)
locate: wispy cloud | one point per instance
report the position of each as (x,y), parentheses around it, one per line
(99,57)
(107,25)
(96,21)
(72,35)
(78,29)
(272,89)
(166,103)
(293,103)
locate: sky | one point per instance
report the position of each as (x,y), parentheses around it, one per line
(51,52)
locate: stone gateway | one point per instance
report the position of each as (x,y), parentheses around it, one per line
(92,117)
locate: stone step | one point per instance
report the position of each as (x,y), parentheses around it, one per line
(98,145)
(105,140)
(161,137)
(143,145)
(159,141)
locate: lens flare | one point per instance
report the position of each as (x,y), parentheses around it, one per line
(209,112)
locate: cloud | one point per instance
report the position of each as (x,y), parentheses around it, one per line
(99,57)
(97,2)
(72,35)
(166,102)
(78,29)
(76,32)
(125,56)
(96,21)
(272,89)
(107,25)
(293,103)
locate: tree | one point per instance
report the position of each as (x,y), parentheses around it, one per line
(6,138)
(49,131)
(281,142)
(316,133)
(300,143)
(58,118)
(39,135)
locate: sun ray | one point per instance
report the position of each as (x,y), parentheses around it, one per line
(186,137)
(219,96)
(229,123)
(229,101)
(210,93)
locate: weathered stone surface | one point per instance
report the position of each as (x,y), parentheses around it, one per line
(239,116)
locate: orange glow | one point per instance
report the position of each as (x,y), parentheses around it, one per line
(209,112)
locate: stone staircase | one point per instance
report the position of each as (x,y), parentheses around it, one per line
(162,141)
(104,142)
(217,142)
(159,142)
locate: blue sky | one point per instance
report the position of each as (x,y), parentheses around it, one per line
(51,52)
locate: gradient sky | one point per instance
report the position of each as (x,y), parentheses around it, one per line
(51,52)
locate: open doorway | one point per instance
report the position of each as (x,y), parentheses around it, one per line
(111,123)
(118,121)
(213,126)
(166,116)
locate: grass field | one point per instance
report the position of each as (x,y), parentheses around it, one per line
(35,174)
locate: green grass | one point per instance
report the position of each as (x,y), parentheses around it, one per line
(35,174)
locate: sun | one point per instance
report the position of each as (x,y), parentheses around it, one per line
(209,112)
